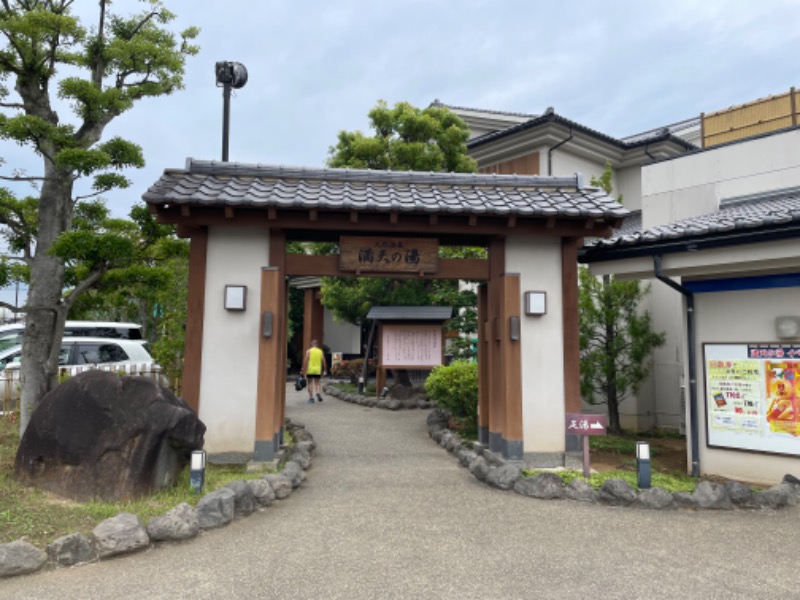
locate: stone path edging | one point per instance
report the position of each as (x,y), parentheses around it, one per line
(372,402)
(125,533)
(494,470)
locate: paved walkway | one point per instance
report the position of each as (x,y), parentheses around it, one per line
(386,513)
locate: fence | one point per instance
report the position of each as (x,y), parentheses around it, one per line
(11,386)
(753,118)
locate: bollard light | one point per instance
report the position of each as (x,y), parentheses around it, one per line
(197,470)
(361,385)
(643,465)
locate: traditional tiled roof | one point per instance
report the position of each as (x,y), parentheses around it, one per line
(551,117)
(209,183)
(674,129)
(736,215)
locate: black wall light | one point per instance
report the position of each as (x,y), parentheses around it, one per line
(230,75)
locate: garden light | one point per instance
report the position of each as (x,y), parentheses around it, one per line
(197,470)
(643,465)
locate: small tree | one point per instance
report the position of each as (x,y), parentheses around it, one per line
(616,341)
(616,337)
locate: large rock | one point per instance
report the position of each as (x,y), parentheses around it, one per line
(504,477)
(479,468)
(244,503)
(581,490)
(99,435)
(120,535)
(20,557)
(72,549)
(262,492)
(280,484)
(778,496)
(547,486)
(712,496)
(655,498)
(216,508)
(616,492)
(180,523)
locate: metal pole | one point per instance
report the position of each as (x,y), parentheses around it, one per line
(226,116)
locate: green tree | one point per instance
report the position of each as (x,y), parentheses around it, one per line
(616,337)
(101,71)
(406,138)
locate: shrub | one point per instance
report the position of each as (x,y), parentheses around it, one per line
(455,388)
(352,369)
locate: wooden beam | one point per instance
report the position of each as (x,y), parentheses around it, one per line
(394,217)
(434,219)
(473,220)
(304,265)
(228,212)
(512,364)
(353,216)
(272,213)
(484,377)
(312,214)
(269,351)
(374,223)
(186,211)
(512,221)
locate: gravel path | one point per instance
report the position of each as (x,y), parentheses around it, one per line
(386,513)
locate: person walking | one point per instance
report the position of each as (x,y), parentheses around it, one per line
(314,367)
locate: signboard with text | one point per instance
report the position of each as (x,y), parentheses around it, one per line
(586,424)
(753,396)
(411,346)
(388,255)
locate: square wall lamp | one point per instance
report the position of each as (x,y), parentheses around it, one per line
(535,303)
(235,297)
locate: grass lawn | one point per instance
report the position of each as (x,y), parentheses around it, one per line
(41,517)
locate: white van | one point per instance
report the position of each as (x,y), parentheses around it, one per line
(11,335)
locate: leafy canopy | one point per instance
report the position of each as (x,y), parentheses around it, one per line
(406,138)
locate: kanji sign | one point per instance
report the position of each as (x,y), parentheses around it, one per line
(389,255)
(586,424)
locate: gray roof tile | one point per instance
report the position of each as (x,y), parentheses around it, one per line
(740,214)
(234,184)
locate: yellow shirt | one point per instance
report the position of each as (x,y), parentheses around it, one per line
(315,357)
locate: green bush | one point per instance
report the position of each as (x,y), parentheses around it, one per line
(455,388)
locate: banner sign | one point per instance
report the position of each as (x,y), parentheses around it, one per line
(586,424)
(388,255)
(411,346)
(753,397)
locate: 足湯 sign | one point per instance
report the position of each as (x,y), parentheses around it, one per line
(586,424)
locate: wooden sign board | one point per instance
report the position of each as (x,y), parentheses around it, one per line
(388,254)
(586,424)
(411,346)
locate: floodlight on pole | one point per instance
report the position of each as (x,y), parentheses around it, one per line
(230,75)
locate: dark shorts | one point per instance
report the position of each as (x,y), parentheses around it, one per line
(312,376)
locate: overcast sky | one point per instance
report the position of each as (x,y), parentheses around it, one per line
(317,67)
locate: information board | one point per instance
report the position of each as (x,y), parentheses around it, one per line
(411,346)
(753,397)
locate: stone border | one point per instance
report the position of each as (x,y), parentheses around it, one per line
(494,470)
(372,402)
(125,533)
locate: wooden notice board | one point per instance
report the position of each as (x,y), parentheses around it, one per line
(411,346)
(388,254)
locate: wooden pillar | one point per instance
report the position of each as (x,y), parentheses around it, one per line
(497,402)
(271,382)
(313,318)
(483,367)
(572,358)
(267,393)
(512,367)
(195,309)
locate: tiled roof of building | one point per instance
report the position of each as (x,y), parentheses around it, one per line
(735,215)
(210,183)
(674,129)
(551,117)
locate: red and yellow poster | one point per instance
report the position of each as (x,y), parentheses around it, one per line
(753,397)
(783,396)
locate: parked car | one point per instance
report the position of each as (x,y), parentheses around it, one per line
(11,335)
(78,351)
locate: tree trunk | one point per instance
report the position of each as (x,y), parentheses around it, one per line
(611,381)
(45,312)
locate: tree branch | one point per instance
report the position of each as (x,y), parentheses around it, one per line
(84,285)
(19,178)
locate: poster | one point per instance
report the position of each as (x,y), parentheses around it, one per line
(752,397)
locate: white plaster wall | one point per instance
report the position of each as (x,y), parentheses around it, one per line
(341,337)
(228,380)
(695,183)
(741,316)
(628,184)
(566,164)
(538,262)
